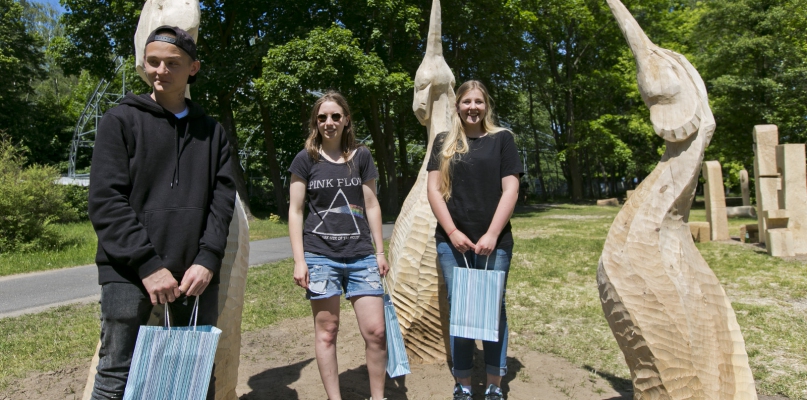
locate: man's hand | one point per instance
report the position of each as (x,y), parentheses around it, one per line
(195,280)
(161,286)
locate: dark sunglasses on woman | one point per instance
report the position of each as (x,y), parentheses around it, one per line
(336,117)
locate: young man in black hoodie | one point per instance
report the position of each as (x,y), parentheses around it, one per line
(162,194)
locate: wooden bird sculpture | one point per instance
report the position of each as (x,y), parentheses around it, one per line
(416,287)
(669,314)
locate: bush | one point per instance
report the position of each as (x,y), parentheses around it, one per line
(30,201)
(75,203)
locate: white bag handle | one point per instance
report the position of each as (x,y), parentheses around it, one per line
(487,258)
(194,314)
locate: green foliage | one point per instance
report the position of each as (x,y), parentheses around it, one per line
(29,202)
(19,55)
(752,60)
(75,203)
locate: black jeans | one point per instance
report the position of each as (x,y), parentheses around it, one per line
(126,306)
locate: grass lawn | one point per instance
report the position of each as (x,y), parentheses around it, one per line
(79,244)
(553,304)
(78,248)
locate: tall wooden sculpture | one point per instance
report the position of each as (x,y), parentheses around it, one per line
(667,310)
(416,286)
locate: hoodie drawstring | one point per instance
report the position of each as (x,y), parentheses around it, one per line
(178,150)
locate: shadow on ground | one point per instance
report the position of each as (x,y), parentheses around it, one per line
(274,383)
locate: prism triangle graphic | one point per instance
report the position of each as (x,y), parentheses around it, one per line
(339,215)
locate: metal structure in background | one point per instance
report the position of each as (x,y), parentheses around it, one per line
(101,100)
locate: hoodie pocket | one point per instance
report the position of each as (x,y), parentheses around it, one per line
(175,235)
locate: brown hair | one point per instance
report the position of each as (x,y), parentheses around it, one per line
(455,141)
(314,141)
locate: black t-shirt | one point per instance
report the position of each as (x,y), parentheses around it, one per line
(476,183)
(336,225)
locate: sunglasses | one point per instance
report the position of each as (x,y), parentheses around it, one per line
(336,117)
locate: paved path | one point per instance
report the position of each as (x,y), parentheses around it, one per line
(38,291)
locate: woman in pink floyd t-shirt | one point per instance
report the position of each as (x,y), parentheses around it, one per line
(333,248)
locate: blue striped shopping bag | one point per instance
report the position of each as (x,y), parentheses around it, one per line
(397,360)
(476,302)
(171,363)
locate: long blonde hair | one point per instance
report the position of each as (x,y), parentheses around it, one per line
(314,141)
(455,142)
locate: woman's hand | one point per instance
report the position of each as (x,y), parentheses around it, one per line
(383,265)
(486,244)
(301,277)
(461,242)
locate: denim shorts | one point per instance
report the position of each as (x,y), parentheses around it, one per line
(332,276)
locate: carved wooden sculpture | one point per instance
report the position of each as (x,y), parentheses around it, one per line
(667,310)
(233,282)
(415,285)
(714,197)
(184,14)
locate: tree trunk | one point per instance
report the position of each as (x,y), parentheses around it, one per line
(271,159)
(403,156)
(393,206)
(385,168)
(537,144)
(227,121)
(374,126)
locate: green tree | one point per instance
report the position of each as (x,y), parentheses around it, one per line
(19,67)
(751,55)
(326,59)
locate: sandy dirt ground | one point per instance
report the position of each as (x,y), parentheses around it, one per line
(278,363)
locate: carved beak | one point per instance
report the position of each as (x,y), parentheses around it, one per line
(421,105)
(666,86)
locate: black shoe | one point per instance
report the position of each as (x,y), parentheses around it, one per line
(494,393)
(460,394)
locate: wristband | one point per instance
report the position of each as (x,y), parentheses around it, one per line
(380,254)
(452,232)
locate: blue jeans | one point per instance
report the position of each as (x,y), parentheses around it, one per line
(461,348)
(331,276)
(126,306)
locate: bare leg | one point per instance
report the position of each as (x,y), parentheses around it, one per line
(326,328)
(494,380)
(370,314)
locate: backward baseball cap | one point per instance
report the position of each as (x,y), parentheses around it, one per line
(181,39)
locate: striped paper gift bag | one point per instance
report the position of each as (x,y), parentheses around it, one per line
(476,303)
(171,363)
(397,360)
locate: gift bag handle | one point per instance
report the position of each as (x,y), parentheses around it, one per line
(487,258)
(386,288)
(194,314)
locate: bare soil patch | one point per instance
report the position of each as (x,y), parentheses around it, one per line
(278,362)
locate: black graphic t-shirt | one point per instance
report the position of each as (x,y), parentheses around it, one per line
(476,184)
(336,225)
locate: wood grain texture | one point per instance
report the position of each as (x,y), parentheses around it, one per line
(415,280)
(232,284)
(667,310)
(714,198)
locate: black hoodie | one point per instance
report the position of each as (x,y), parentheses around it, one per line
(161,191)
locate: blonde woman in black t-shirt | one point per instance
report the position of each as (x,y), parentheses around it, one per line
(473,183)
(333,248)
